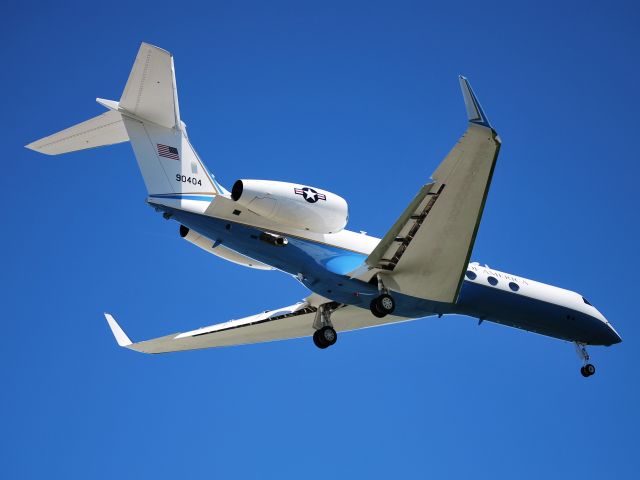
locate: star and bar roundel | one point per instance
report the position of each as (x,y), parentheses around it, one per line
(309,194)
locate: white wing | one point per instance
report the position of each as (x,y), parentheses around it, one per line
(427,250)
(293,321)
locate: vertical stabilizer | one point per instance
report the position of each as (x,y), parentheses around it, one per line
(173,173)
(151,92)
(148,116)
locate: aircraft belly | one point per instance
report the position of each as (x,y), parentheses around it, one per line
(322,268)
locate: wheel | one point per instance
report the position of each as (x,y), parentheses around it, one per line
(318,341)
(328,335)
(587,370)
(383,305)
(325,337)
(386,304)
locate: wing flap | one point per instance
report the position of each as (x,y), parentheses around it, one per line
(382,256)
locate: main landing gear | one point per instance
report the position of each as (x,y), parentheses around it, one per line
(325,335)
(587,368)
(383,304)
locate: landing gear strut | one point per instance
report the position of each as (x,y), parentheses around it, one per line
(383,304)
(587,368)
(325,335)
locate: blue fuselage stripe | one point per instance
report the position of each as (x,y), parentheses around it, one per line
(180,196)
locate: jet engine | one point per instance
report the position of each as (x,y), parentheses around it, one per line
(293,205)
(221,251)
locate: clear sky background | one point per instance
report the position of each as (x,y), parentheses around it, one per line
(361,99)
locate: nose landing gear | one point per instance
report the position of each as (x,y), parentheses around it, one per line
(587,368)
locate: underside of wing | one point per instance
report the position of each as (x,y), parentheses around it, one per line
(427,250)
(294,321)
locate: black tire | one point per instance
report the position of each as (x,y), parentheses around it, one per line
(317,340)
(374,309)
(589,369)
(583,372)
(325,337)
(383,305)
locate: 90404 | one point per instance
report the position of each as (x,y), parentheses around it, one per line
(185,179)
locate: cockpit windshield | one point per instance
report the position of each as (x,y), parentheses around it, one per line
(586,301)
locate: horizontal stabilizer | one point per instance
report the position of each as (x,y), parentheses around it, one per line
(105,129)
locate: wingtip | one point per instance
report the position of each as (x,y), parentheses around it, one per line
(35,148)
(475,114)
(117,331)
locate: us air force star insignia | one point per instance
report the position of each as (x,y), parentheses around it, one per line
(310,195)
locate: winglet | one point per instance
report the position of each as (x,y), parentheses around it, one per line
(121,337)
(474,110)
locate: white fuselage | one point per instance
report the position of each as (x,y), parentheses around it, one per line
(486,293)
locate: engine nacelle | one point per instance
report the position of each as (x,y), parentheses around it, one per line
(293,205)
(221,251)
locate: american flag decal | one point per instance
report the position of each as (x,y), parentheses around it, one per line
(168,152)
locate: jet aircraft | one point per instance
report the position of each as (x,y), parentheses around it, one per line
(420,268)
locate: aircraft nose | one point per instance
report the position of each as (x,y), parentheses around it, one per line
(614,337)
(606,334)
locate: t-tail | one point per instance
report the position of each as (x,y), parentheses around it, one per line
(148,116)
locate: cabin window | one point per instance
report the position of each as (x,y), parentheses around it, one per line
(514,286)
(586,301)
(471,275)
(492,280)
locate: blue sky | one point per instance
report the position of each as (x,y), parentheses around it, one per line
(361,99)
